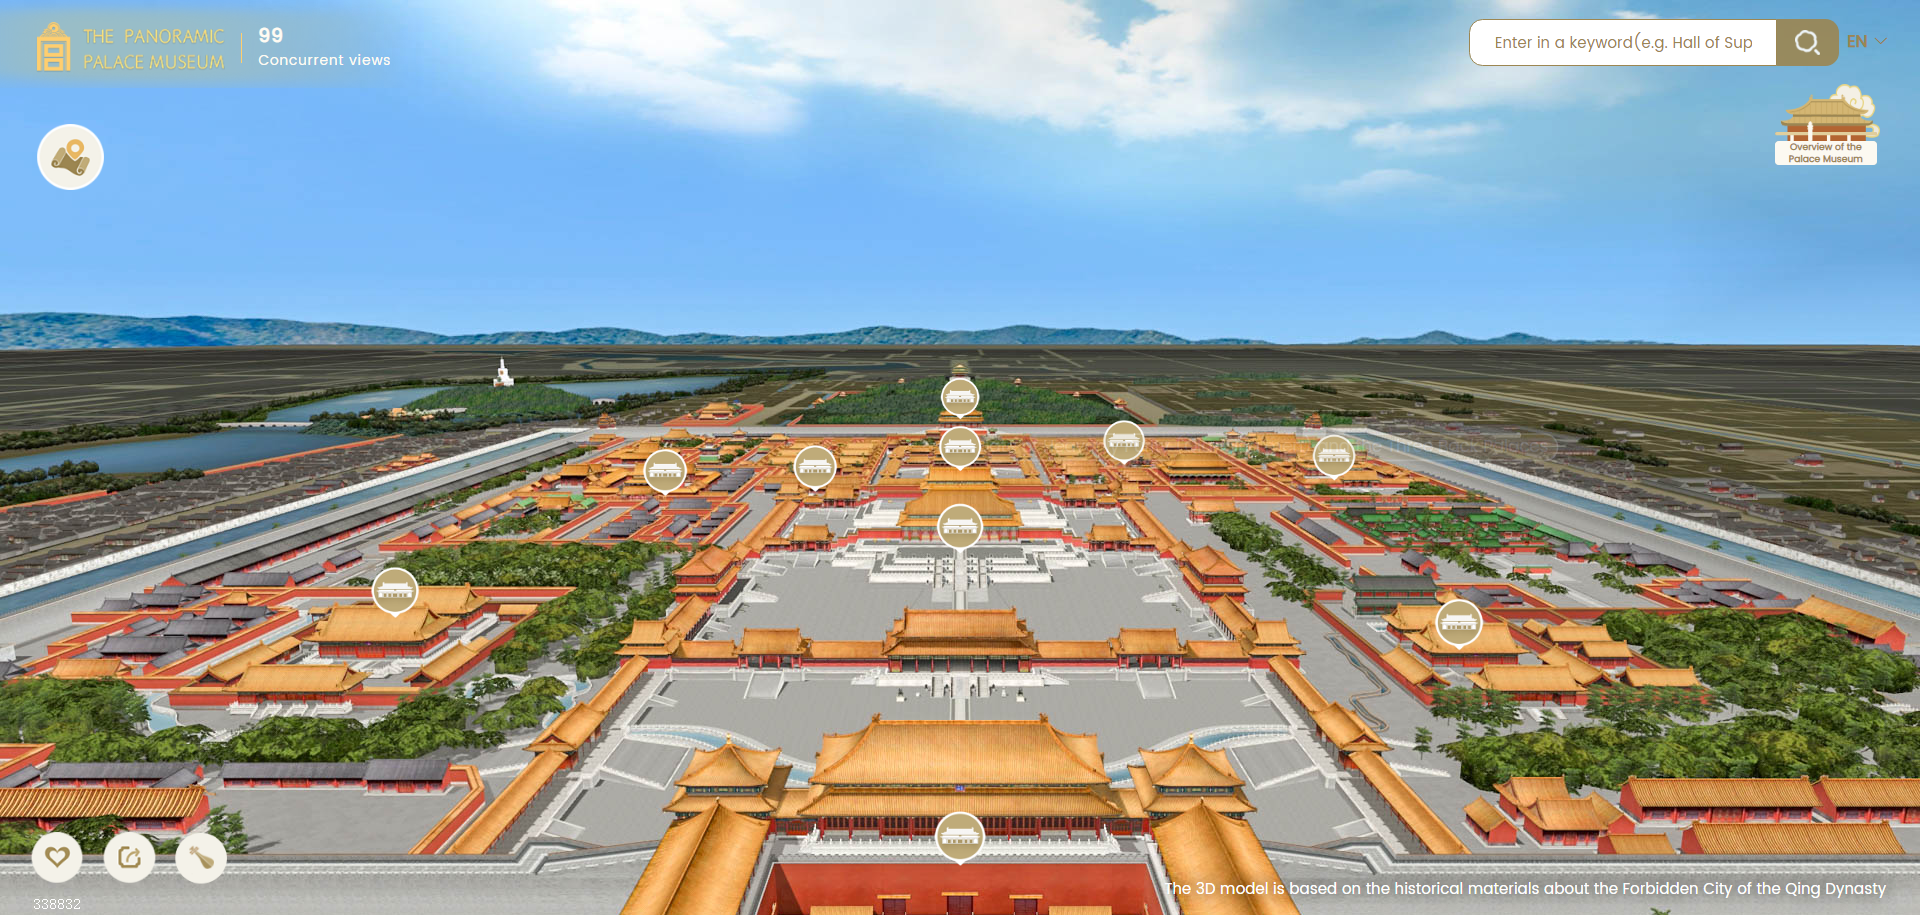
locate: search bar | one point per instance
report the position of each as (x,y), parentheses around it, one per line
(1653,42)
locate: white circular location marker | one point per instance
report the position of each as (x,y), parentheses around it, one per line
(201,858)
(665,470)
(1124,441)
(395,590)
(960,396)
(56,857)
(959,526)
(71,157)
(960,836)
(959,446)
(1333,455)
(1458,622)
(129,857)
(815,466)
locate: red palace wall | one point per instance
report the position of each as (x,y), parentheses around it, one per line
(1128,888)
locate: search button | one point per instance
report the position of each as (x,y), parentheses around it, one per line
(1805,42)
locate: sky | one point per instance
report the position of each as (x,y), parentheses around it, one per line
(1276,169)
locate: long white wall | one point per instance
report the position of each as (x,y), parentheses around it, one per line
(101,562)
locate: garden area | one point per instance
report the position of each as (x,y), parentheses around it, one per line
(1425,527)
(1804,703)
(582,628)
(1292,573)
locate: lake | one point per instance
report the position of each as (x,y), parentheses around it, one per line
(238,446)
(400,397)
(205,451)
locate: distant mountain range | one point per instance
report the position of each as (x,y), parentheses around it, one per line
(1442,338)
(61,330)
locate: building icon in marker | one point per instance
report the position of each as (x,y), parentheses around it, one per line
(1458,622)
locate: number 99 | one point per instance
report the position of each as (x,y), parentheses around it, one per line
(272,34)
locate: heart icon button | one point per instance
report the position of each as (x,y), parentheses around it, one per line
(56,857)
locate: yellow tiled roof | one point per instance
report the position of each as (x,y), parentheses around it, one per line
(1871,792)
(1796,839)
(79,803)
(1722,792)
(1188,766)
(1205,846)
(367,623)
(1865,625)
(1660,676)
(729,766)
(297,678)
(1639,843)
(959,753)
(237,664)
(702,865)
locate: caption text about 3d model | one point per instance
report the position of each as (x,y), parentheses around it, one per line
(1797,889)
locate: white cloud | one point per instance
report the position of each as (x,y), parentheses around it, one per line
(1377,182)
(1525,7)
(1400,137)
(1406,184)
(1194,67)
(1634,14)
(1853,96)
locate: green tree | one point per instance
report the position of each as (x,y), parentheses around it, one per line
(488,686)
(46,710)
(537,698)
(225,825)
(420,725)
(93,833)
(298,740)
(1422,741)
(17,837)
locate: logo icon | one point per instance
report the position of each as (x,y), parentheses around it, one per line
(71,157)
(960,397)
(56,857)
(1458,622)
(959,526)
(1836,130)
(959,447)
(665,471)
(1333,455)
(960,836)
(1124,441)
(1838,117)
(201,858)
(53,50)
(395,590)
(815,466)
(129,857)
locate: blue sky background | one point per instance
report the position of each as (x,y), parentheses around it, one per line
(1301,172)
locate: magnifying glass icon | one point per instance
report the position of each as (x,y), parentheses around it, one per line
(1813,42)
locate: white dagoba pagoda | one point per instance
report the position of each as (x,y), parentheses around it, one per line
(500,377)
